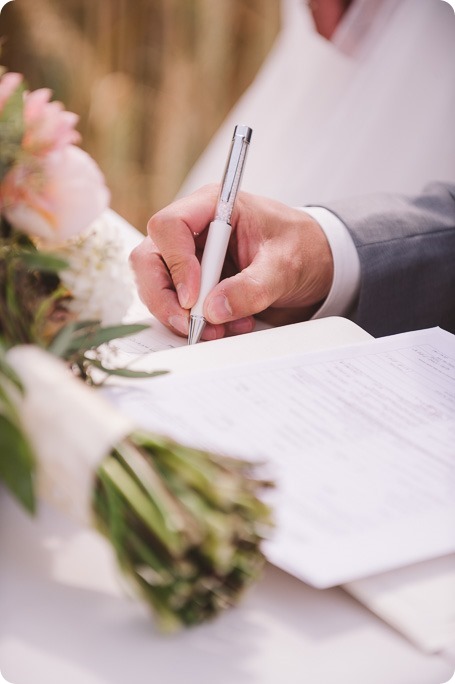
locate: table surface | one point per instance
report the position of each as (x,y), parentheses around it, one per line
(66,615)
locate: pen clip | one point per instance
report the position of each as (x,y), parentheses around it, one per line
(231,180)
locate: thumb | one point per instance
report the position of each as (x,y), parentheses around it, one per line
(244,294)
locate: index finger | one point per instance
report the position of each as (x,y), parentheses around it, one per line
(173,231)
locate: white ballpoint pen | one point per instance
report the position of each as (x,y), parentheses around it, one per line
(219,230)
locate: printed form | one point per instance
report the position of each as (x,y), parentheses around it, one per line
(359,440)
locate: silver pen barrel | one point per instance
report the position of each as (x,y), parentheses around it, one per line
(233,173)
(219,231)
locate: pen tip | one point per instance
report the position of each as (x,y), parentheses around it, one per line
(197,325)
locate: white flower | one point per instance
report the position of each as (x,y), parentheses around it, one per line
(99,277)
(71,431)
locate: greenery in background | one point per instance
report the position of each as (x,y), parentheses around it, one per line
(153,81)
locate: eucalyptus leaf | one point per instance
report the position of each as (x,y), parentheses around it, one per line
(7,371)
(114,332)
(62,341)
(77,337)
(17,463)
(82,342)
(8,380)
(43,261)
(126,372)
(7,406)
(88,325)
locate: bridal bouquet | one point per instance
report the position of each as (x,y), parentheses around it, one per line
(59,266)
(185,525)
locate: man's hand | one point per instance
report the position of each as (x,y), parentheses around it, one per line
(279,264)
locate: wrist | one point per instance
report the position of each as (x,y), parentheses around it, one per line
(318,264)
(345,283)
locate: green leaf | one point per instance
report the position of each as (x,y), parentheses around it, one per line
(7,406)
(17,463)
(8,372)
(88,325)
(8,380)
(43,261)
(126,372)
(62,341)
(114,332)
(112,474)
(78,337)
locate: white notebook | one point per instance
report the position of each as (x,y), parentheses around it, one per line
(338,507)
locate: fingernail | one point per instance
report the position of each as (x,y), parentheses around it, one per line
(219,310)
(182,294)
(179,323)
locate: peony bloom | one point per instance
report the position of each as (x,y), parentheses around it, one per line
(54,198)
(47,125)
(53,190)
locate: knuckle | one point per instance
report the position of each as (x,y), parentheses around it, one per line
(143,254)
(179,265)
(136,257)
(210,189)
(156,223)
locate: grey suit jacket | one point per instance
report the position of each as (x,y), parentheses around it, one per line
(407,256)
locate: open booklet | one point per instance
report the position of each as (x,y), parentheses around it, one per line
(360,441)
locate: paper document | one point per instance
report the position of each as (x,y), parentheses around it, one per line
(418,600)
(360,441)
(156,337)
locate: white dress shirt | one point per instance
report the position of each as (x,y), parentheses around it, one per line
(346,264)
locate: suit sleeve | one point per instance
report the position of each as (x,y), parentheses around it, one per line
(406,248)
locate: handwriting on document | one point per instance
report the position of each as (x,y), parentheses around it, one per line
(360,441)
(155,338)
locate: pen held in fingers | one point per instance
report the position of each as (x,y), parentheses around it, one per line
(220,229)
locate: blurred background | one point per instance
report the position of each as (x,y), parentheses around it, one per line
(150,79)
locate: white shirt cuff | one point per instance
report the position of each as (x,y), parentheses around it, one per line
(346,264)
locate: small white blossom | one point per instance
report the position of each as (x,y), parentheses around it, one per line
(99,277)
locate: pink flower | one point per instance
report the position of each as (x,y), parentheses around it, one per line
(52,190)
(8,84)
(47,125)
(57,198)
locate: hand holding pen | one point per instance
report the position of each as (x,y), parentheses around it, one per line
(220,229)
(278,264)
